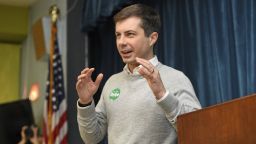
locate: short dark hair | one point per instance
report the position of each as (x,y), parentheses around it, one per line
(150,19)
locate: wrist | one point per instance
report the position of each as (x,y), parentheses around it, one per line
(163,97)
(160,94)
(84,104)
(81,101)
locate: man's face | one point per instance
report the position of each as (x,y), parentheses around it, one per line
(131,41)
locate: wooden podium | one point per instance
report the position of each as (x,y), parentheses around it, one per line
(232,122)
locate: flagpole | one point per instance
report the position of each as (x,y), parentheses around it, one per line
(54,13)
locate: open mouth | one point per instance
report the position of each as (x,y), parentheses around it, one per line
(126,53)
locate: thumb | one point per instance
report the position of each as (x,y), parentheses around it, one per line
(98,79)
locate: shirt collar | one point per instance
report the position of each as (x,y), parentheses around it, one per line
(154,61)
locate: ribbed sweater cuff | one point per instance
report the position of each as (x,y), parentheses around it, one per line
(169,104)
(84,112)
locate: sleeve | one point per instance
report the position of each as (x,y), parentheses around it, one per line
(92,122)
(179,100)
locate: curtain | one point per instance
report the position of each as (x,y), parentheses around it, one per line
(96,12)
(211,41)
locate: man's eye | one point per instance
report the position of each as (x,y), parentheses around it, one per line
(130,34)
(117,36)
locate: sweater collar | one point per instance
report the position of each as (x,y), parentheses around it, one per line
(154,61)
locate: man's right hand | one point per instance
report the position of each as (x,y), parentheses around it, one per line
(86,87)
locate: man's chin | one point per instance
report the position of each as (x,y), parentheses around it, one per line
(129,61)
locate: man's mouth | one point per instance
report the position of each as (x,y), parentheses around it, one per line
(126,53)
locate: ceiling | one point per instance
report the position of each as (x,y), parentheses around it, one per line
(20,3)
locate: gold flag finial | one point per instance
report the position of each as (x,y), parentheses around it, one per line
(54,11)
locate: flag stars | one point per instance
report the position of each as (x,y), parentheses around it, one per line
(54,64)
(54,107)
(60,93)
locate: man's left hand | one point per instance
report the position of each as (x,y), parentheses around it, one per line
(151,74)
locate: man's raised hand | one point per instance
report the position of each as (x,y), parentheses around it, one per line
(86,87)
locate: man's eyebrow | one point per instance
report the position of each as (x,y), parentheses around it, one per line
(129,31)
(125,31)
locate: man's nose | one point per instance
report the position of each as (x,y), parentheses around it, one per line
(122,40)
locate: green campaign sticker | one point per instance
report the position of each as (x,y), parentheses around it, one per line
(114,94)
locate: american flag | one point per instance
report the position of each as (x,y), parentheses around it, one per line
(55,108)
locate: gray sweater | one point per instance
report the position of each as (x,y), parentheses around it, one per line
(130,114)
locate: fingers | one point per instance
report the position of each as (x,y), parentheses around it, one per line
(24,128)
(84,70)
(89,73)
(147,70)
(98,79)
(35,130)
(86,73)
(23,131)
(145,73)
(146,64)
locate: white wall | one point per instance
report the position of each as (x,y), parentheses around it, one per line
(35,71)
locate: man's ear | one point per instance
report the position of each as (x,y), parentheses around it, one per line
(153,38)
